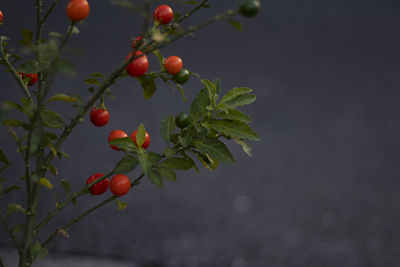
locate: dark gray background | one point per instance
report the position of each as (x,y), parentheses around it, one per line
(322,186)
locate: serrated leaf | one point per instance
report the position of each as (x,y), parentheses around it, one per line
(198,108)
(17,228)
(126,164)
(141,135)
(66,185)
(212,90)
(27,37)
(167,128)
(38,251)
(167,173)
(51,119)
(233,128)
(92,81)
(215,148)
(178,163)
(235,92)
(125,143)
(233,114)
(30,67)
(64,97)
(235,24)
(13,208)
(45,182)
(121,205)
(144,162)
(3,157)
(240,101)
(246,148)
(149,86)
(14,123)
(155,177)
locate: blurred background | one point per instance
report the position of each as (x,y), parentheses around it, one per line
(322,186)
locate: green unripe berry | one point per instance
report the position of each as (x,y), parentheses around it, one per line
(182,77)
(182,120)
(249,8)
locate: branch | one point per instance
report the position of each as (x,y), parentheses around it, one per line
(87,212)
(10,232)
(68,200)
(53,5)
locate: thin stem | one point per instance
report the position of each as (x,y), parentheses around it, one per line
(68,200)
(65,40)
(87,212)
(2,263)
(194,10)
(53,5)
(14,72)
(10,232)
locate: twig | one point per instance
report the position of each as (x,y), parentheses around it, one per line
(53,5)
(10,232)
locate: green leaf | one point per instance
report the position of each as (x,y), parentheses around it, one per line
(199,106)
(66,68)
(154,157)
(53,169)
(217,83)
(215,148)
(45,182)
(75,30)
(51,119)
(9,189)
(145,163)
(126,164)
(205,6)
(50,136)
(233,128)
(92,81)
(241,101)
(125,143)
(178,163)
(191,3)
(14,123)
(208,162)
(56,34)
(66,185)
(98,75)
(212,90)
(149,86)
(233,114)
(14,105)
(244,145)
(167,173)
(121,205)
(169,152)
(17,228)
(235,24)
(64,97)
(3,157)
(141,135)
(235,92)
(167,128)
(155,177)
(30,67)
(27,37)
(38,251)
(13,208)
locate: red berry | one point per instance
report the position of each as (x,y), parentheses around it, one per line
(1,16)
(146,142)
(163,14)
(99,117)
(31,77)
(114,135)
(120,185)
(138,66)
(137,41)
(100,187)
(78,9)
(173,64)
